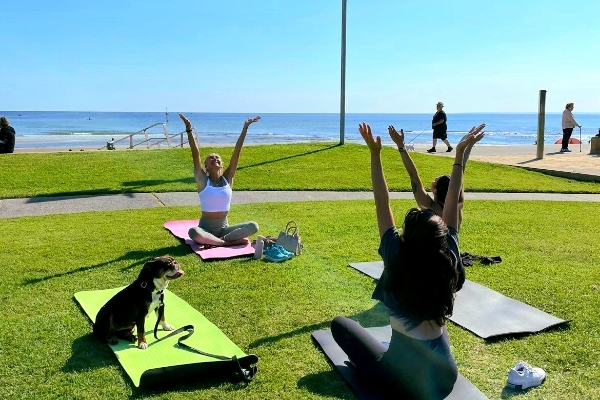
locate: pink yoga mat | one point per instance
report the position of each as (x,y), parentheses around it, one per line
(180,229)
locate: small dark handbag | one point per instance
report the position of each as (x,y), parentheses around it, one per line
(290,238)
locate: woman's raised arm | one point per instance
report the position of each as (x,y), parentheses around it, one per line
(199,173)
(385,218)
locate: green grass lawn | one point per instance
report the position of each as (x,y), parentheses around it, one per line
(549,251)
(317,166)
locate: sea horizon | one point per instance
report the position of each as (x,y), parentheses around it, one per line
(89,129)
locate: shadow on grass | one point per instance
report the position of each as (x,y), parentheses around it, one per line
(83,194)
(288,157)
(508,392)
(560,327)
(189,385)
(326,384)
(155,182)
(137,259)
(88,353)
(376,316)
(128,188)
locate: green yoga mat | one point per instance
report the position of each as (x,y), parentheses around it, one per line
(166,361)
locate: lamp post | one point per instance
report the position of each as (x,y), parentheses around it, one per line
(343,76)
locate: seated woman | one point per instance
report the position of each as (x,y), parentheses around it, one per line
(439,186)
(422,272)
(214,189)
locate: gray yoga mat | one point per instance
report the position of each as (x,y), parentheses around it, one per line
(463,389)
(486,313)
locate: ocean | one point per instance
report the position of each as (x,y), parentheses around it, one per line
(66,129)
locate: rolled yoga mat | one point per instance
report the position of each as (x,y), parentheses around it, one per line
(180,229)
(166,361)
(486,313)
(463,389)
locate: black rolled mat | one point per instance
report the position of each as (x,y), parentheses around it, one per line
(463,389)
(486,313)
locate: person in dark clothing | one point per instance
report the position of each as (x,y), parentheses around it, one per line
(7,137)
(438,123)
(422,271)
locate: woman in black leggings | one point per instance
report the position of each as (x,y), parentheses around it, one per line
(422,271)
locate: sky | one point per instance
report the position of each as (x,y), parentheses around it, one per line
(283,56)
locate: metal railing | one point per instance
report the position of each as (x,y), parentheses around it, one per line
(149,140)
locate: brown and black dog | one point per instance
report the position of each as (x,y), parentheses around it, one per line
(127,310)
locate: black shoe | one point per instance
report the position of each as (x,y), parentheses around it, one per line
(431,150)
(449,149)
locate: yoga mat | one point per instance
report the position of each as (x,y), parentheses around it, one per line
(463,389)
(165,361)
(486,313)
(180,229)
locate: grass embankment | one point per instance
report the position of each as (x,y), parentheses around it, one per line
(319,166)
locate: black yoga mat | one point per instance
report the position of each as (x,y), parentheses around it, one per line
(486,313)
(463,389)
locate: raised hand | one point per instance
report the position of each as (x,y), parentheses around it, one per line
(365,132)
(474,136)
(251,120)
(188,124)
(398,138)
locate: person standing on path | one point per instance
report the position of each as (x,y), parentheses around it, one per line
(568,123)
(7,137)
(438,123)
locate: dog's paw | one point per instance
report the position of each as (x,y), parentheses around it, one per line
(143,345)
(166,326)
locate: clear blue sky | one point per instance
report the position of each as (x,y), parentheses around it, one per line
(284,56)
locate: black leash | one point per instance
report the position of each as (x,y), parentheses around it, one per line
(245,372)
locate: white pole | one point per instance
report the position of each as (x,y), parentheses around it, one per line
(343,75)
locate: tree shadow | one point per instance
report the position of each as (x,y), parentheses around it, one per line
(375,316)
(136,258)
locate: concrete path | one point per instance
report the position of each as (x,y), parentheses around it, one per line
(12,208)
(580,165)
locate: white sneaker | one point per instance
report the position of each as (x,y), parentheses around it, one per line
(523,376)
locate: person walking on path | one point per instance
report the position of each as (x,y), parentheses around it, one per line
(7,137)
(568,123)
(440,127)
(215,185)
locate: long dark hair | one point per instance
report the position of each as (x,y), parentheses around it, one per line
(424,277)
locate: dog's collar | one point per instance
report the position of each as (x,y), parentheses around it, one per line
(144,285)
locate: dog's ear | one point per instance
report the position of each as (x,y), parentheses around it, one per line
(151,270)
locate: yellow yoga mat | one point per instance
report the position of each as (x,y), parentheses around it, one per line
(166,361)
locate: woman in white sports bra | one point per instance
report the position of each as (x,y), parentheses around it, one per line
(214,190)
